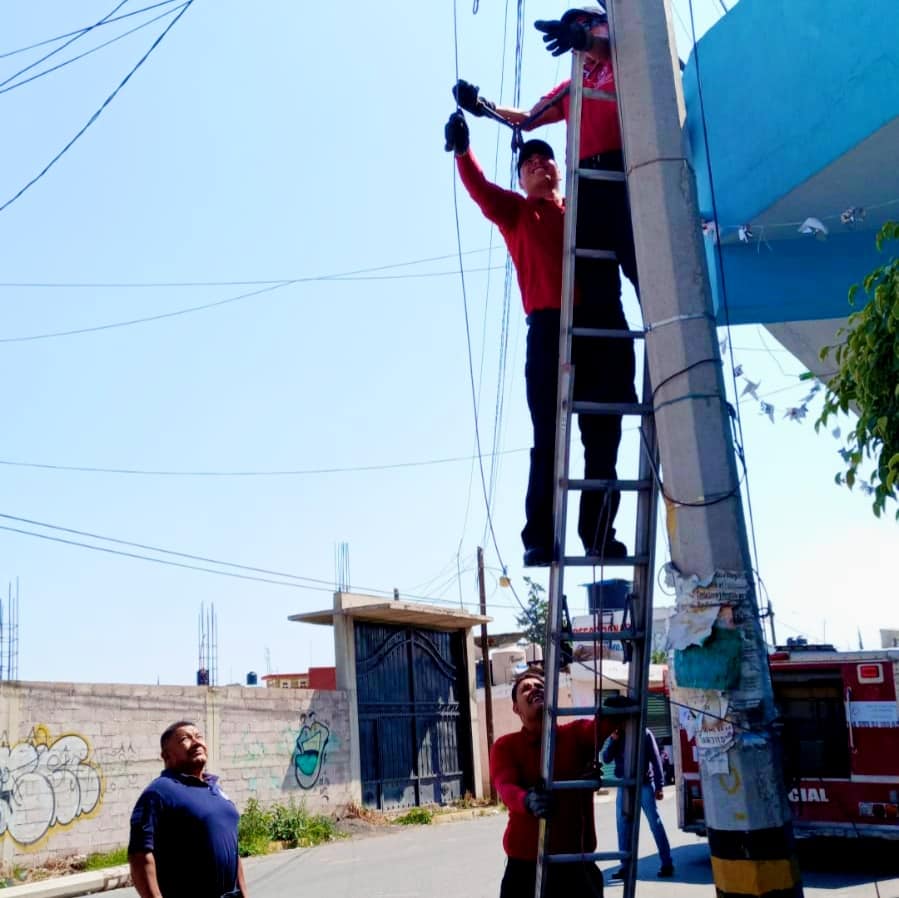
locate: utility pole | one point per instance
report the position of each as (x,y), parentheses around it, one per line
(485,665)
(720,661)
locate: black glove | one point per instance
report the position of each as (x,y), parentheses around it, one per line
(468,98)
(537,801)
(560,37)
(456,133)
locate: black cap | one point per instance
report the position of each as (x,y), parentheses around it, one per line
(534,148)
(597,12)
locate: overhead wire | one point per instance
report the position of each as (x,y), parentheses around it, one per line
(340,275)
(99,111)
(108,21)
(86,53)
(297,472)
(203,307)
(68,43)
(468,337)
(719,259)
(239,571)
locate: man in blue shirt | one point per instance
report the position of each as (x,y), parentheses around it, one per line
(184,828)
(650,792)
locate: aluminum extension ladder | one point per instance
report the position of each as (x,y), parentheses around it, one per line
(636,632)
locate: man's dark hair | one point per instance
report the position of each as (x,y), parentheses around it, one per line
(532,673)
(169,731)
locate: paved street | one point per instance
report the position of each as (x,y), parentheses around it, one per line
(464,859)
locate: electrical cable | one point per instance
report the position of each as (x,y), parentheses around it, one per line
(738,424)
(61,37)
(80,56)
(28,338)
(144,472)
(286,579)
(341,275)
(468,332)
(99,111)
(72,40)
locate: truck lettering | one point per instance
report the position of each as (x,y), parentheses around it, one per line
(807,796)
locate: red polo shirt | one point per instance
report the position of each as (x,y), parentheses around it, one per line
(600,129)
(532,229)
(515,768)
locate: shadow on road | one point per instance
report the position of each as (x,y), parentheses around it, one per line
(825,863)
(838,863)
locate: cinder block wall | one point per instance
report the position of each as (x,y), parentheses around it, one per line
(75,757)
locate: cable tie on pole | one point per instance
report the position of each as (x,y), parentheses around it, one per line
(684,397)
(677,318)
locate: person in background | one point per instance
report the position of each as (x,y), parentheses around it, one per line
(651,791)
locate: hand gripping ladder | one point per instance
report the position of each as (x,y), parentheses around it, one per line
(636,632)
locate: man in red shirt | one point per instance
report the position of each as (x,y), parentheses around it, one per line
(515,772)
(532,226)
(604,218)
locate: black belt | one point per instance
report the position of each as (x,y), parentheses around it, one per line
(613,160)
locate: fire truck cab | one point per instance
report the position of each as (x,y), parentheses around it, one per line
(839,718)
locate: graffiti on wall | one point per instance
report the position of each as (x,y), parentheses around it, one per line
(310,752)
(46,783)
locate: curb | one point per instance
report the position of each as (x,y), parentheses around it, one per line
(467,814)
(74,885)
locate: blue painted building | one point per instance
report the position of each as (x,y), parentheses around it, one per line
(792,121)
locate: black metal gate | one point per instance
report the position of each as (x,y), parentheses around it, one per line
(414,722)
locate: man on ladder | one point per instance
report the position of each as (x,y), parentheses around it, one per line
(597,241)
(603,224)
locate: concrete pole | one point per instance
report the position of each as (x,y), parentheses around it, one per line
(485,666)
(725,671)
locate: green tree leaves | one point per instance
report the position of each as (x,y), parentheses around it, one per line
(867,378)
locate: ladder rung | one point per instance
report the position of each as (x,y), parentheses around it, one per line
(600,174)
(596,561)
(611,408)
(625,486)
(608,635)
(590,710)
(587,858)
(591,93)
(614,333)
(575,784)
(620,783)
(606,254)
(612,782)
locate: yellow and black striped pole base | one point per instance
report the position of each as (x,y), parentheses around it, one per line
(760,863)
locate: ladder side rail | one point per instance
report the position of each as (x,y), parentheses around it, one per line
(552,656)
(638,669)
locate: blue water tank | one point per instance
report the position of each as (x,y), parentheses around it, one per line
(252,679)
(610,595)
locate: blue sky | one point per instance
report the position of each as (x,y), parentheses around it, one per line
(249,147)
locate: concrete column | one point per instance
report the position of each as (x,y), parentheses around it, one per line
(745,802)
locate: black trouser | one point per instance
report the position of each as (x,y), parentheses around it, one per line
(604,216)
(603,372)
(565,880)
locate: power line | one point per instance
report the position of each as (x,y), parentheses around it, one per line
(99,111)
(178,564)
(294,581)
(72,40)
(61,37)
(145,319)
(150,548)
(80,56)
(176,313)
(85,469)
(259,282)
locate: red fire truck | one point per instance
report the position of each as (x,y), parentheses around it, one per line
(840,732)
